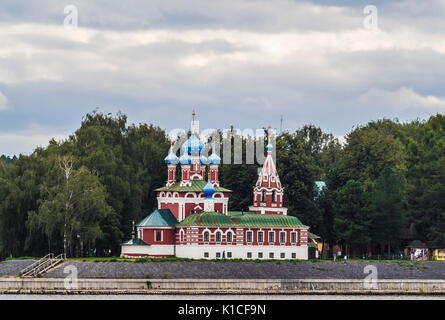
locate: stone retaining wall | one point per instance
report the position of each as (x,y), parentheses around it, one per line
(194,286)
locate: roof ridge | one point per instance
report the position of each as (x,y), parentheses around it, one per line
(243,220)
(196,186)
(166,219)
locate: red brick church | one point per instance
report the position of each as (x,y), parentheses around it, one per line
(193,219)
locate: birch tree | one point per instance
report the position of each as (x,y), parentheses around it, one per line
(73,208)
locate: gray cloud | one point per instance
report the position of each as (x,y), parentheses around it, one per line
(244,64)
(3,101)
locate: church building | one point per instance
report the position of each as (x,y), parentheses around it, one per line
(193,218)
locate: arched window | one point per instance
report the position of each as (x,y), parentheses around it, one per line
(274,196)
(263,196)
(260,236)
(249,236)
(229,236)
(206,236)
(218,236)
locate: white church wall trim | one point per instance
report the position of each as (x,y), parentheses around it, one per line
(240,252)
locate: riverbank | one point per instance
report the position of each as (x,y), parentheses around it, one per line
(239,270)
(230,277)
(218,286)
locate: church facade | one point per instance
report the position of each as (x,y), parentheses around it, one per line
(193,219)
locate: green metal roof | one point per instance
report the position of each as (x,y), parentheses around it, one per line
(430,245)
(197,186)
(235,213)
(159,218)
(253,220)
(313,245)
(207,219)
(135,241)
(242,220)
(417,244)
(313,236)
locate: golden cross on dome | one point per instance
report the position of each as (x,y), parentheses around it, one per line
(193,121)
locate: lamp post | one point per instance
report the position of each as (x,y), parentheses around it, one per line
(81,245)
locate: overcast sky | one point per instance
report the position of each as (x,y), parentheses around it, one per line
(243,63)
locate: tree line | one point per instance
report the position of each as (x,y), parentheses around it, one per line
(7,159)
(384,186)
(81,194)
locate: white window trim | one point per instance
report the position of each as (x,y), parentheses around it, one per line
(258,237)
(251,236)
(162,235)
(220,236)
(296,237)
(268,235)
(203,236)
(285,237)
(232,234)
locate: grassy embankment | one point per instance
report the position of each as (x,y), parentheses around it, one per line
(138,260)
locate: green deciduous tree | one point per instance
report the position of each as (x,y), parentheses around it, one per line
(352,221)
(126,160)
(74,208)
(368,151)
(387,206)
(298,171)
(426,180)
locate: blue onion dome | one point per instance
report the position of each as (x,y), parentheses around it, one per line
(185,158)
(214,159)
(269,147)
(193,145)
(171,158)
(208,190)
(204,160)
